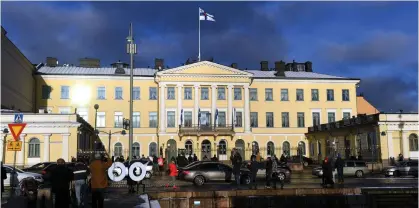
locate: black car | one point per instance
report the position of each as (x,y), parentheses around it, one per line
(37,168)
(296,159)
(51,166)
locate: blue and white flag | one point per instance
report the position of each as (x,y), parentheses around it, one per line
(181,117)
(205,16)
(234,117)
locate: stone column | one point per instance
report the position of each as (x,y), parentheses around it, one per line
(65,146)
(162,113)
(230,105)
(390,144)
(196,104)
(21,155)
(213,102)
(46,147)
(405,144)
(179,102)
(246,109)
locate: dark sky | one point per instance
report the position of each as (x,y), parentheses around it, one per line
(374,41)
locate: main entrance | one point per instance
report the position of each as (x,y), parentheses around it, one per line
(240,148)
(206,150)
(171,150)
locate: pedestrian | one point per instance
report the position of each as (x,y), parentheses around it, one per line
(61,176)
(401,157)
(283,159)
(99,179)
(215,159)
(205,158)
(3,177)
(195,158)
(269,172)
(142,157)
(327,173)
(160,161)
(236,160)
(254,168)
(275,175)
(339,164)
(80,177)
(173,173)
(155,164)
(190,159)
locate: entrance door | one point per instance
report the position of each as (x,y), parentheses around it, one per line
(171,150)
(206,150)
(240,148)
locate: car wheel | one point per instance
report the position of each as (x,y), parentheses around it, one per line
(245,180)
(148,175)
(199,180)
(305,164)
(359,173)
(281,176)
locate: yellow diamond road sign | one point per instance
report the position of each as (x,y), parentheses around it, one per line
(14,145)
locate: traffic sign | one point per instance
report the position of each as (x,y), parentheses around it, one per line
(16,129)
(14,145)
(18,118)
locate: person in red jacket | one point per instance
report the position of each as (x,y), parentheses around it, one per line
(173,173)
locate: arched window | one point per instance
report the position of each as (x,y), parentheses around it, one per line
(286,148)
(136,149)
(152,149)
(34,148)
(255,148)
(413,142)
(188,147)
(271,148)
(301,148)
(222,147)
(117,152)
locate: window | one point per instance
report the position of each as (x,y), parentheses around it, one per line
(101,93)
(284,94)
(65,92)
(135,93)
(314,95)
(152,117)
(152,149)
(187,118)
(345,95)
(350,164)
(221,119)
(268,94)
(208,167)
(118,93)
(204,93)
(253,94)
(330,117)
(117,151)
(46,92)
(188,93)
(271,148)
(330,95)
(319,148)
(300,119)
(188,148)
(346,115)
(300,94)
(100,119)
(170,93)
(237,93)
(269,119)
(136,149)
(285,119)
(316,118)
(413,142)
(239,119)
(136,120)
(171,122)
(312,148)
(222,147)
(301,148)
(253,119)
(221,93)
(286,148)
(360,164)
(255,148)
(118,119)
(153,93)
(34,146)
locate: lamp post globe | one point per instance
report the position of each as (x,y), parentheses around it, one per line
(96,106)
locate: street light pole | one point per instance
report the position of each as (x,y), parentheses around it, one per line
(96,107)
(5,132)
(131,49)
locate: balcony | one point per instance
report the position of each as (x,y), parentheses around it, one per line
(206,130)
(351,122)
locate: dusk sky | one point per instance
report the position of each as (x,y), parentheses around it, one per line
(374,41)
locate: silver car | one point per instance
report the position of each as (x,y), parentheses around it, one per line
(20,175)
(404,168)
(352,168)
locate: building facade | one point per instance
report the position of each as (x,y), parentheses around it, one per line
(201,108)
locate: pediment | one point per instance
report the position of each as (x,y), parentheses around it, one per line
(205,68)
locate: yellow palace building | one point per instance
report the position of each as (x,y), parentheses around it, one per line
(201,108)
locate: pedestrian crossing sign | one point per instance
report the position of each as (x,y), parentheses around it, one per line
(14,145)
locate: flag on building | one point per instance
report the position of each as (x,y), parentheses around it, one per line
(181,117)
(205,16)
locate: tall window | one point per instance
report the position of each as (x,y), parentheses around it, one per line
(101,93)
(316,118)
(221,93)
(346,115)
(284,94)
(301,148)
(117,151)
(204,93)
(286,148)
(118,119)
(314,94)
(118,93)
(136,120)
(46,92)
(187,118)
(239,119)
(300,119)
(222,147)
(188,93)
(152,149)
(300,94)
(268,94)
(330,117)
(171,122)
(330,95)
(34,146)
(136,149)
(170,93)
(188,147)
(413,142)
(253,119)
(153,93)
(271,148)
(152,117)
(136,93)
(253,93)
(237,93)
(285,119)
(221,119)
(269,119)
(101,117)
(345,95)
(312,148)
(65,92)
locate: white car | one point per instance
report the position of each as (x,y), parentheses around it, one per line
(20,175)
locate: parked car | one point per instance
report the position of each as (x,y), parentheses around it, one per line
(305,160)
(355,168)
(208,171)
(404,168)
(51,166)
(20,175)
(37,168)
(283,171)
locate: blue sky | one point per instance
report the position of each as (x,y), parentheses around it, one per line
(374,41)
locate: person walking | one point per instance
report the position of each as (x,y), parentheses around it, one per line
(61,176)
(236,160)
(99,180)
(195,158)
(160,162)
(339,164)
(275,175)
(173,173)
(327,173)
(80,177)
(268,172)
(254,168)
(190,159)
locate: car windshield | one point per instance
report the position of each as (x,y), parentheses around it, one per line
(191,164)
(17,170)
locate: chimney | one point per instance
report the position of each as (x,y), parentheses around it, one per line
(52,62)
(309,66)
(119,67)
(264,66)
(89,62)
(234,65)
(280,68)
(159,64)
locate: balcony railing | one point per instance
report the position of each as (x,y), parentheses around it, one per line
(351,122)
(206,130)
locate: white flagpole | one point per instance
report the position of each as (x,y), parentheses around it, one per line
(199,34)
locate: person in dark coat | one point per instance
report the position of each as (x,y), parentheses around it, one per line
(61,176)
(190,159)
(327,172)
(268,172)
(3,177)
(81,171)
(236,161)
(254,167)
(283,159)
(195,158)
(339,164)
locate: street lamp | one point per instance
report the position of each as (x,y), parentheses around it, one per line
(96,107)
(110,137)
(131,49)
(5,132)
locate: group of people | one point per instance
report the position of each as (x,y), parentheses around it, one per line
(329,168)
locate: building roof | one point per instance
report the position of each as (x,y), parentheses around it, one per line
(292,74)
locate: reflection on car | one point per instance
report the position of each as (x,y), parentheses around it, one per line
(20,175)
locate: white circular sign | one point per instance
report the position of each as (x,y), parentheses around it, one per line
(120,168)
(142,169)
(115,166)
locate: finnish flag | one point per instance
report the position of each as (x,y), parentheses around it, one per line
(205,16)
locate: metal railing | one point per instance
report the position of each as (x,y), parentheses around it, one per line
(197,130)
(354,121)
